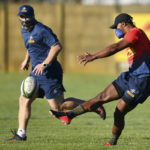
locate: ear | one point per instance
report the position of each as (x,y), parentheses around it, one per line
(124,23)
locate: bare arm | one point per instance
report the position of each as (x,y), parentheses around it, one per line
(53,53)
(106,52)
(25,63)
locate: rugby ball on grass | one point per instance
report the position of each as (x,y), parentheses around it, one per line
(29,87)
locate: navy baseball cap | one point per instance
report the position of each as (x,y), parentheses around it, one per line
(123,17)
(26,10)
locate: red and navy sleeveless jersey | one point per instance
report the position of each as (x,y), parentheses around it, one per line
(139,53)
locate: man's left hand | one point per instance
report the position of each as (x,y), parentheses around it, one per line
(39,69)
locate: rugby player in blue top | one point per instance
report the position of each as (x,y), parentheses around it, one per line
(42,49)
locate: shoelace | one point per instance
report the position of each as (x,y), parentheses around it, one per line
(13,131)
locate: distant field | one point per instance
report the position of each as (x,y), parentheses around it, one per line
(86,132)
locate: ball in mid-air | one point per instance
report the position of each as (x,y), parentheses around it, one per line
(29,87)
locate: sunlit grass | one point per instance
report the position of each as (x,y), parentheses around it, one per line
(86,132)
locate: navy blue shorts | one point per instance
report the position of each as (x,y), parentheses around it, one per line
(49,87)
(131,89)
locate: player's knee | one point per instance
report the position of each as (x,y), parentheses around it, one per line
(56,107)
(118,114)
(23,101)
(119,118)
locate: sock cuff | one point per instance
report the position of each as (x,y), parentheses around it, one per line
(82,107)
(21,132)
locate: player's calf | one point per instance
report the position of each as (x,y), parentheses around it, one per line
(117,128)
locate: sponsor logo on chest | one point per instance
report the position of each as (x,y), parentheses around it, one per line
(131,52)
(31,40)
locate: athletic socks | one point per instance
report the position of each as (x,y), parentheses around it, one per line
(113,140)
(76,111)
(21,133)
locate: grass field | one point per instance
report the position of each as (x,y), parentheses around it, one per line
(86,132)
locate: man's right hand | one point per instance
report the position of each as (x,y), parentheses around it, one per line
(84,59)
(25,65)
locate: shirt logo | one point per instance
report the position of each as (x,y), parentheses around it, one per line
(131,52)
(31,40)
(24,9)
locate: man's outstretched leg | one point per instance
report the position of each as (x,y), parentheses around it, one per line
(23,117)
(69,104)
(107,95)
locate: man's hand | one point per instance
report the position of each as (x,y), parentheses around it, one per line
(25,65)
(87,57)
(39,69)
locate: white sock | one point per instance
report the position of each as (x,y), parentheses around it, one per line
(21,133)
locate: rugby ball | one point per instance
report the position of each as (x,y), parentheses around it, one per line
(29,87)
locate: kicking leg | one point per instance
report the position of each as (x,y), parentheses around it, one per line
(58,104)
(109,94)
(71,102)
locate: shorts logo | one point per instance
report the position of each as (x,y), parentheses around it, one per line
(31,40)
(131,93)
(55,91)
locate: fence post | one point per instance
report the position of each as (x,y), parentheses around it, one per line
(117,6)
(5,35)
(61,29)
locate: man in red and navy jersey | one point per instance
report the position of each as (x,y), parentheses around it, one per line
(138,53)
(131,87)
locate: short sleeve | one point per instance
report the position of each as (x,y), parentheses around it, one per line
(132,36)
(49,38)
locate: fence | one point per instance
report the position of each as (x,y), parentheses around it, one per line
(80,28)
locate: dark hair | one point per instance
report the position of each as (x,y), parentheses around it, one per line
(131,23)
